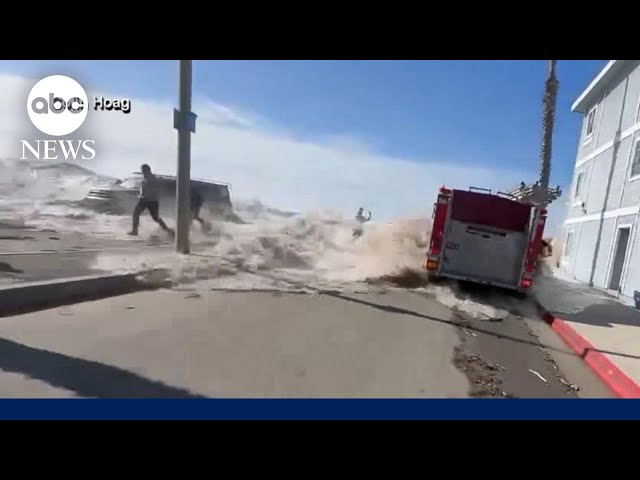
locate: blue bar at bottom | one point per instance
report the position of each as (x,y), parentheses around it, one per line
(319,409)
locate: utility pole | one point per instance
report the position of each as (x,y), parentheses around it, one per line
(539,193)
(184,120)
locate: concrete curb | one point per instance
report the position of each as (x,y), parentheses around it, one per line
(617,381)
(32,296)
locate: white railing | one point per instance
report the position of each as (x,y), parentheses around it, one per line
(197,179)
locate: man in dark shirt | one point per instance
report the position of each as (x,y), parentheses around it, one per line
(148,200)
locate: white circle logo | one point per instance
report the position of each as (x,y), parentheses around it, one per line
(57,105)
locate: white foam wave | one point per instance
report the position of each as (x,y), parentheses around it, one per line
(48,195)
(270,249)
(315,251)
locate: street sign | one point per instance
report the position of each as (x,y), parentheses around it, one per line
(184,121)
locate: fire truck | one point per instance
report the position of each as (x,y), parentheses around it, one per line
(481,237)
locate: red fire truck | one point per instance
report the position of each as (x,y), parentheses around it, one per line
(480,237)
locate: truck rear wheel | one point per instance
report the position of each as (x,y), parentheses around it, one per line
(433,278)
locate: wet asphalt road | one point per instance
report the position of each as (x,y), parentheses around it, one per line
(186,343)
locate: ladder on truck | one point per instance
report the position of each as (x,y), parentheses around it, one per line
(535,194)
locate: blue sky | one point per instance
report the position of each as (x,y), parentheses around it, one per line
(480,113)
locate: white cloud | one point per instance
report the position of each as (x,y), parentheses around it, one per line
(260,160)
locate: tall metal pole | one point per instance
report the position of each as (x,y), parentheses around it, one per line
(548,117)
(184,122)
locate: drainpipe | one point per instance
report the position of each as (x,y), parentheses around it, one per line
(614,160)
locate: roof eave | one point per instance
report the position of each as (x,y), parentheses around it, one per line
(583,101)
(612,72)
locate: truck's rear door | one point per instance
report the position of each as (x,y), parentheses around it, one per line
(486,238)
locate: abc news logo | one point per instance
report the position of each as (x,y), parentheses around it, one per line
(57,106)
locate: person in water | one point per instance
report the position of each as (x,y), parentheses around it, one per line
(361,219)
(148,200)
(360,216)
(196,205)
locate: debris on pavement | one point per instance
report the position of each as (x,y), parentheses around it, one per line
(481,374)
(490,356)
(538,375)
(193,295)
(570,385)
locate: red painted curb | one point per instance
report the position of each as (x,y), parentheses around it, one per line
(619,383)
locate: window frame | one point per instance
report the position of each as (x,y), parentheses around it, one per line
(578,195)
(590,118)
(566,251)
(635,152)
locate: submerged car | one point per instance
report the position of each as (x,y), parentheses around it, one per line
(121,196)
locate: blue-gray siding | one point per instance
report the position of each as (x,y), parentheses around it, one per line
(631,192)
(581,262)
(633,96)
(611,118)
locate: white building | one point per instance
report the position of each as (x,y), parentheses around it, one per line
(601,241)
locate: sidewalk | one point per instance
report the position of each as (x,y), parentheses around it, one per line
(598,327)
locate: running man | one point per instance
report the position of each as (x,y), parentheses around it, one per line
(149,192)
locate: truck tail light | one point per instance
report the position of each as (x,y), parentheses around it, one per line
(526,283)
(439,219)
(432,264)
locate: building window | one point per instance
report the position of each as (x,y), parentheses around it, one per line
(568,244)
(577,193)
(635,162)
(591,121)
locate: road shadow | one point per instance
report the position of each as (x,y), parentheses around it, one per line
(601,314)
(466,325)
(584,304)
(84,377)
(512,302)
(605,315)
